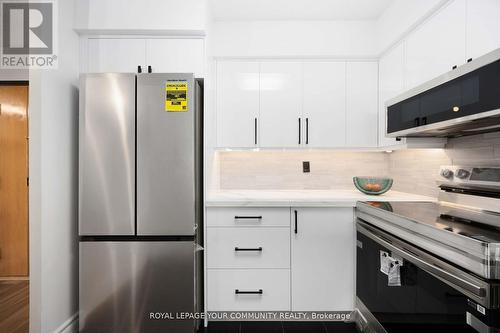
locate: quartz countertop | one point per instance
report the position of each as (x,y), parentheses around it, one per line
(303,198)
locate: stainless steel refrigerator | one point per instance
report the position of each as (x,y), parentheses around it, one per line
(140,202)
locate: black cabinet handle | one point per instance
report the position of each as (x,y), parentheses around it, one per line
(242,249)
(424,121)
(248,217)
(454,67)
(150,70)
(299,132)
(255,130)
(307,131)
(416,121)
(469,60)
(243,292)
(296,218)
(139,69)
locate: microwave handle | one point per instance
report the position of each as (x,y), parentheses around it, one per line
(427,266)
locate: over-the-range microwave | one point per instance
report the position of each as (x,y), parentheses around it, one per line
(464,101)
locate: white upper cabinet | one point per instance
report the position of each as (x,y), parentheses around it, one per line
(391,84)
(173,55)
(164,55)
(437,45)
(116,55)
(287,104)
(237,103)
(280,104)
(324,104)
(483,27)
(361,104)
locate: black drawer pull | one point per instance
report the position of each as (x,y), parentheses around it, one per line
(299,131)
(307,131)
(248,249)
(247,292)
(248,217)
(296,229)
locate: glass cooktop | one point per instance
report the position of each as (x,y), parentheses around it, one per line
(437,216)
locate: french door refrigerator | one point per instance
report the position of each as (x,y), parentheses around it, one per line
(140,202)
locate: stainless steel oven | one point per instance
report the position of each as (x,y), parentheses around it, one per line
(432,266)
(433,295)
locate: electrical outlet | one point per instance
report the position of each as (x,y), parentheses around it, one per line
(306,167)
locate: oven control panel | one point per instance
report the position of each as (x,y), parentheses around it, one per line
(470,175)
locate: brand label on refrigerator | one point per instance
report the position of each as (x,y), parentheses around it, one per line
(176,96)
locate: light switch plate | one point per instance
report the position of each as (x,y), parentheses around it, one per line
(306,167)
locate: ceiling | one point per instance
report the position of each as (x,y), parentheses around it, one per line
(249,10)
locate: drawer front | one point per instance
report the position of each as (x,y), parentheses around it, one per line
(249,290)
(248,217)
(248,248)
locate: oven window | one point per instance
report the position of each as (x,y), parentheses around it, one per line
(422,302)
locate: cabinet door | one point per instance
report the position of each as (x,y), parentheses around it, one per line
(437,45)
(483,25)
(172,55)
(361,99)
(280,104)
(118,55)
(391,83)
(324,104)
(322,259)
(237,104)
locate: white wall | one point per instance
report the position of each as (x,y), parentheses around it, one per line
(293,38)
(141,14)
(401,17)
(53,156)
(14,75)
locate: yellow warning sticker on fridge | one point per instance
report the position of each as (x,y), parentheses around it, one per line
(176,96)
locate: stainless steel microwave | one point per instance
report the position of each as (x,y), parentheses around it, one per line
(464,101)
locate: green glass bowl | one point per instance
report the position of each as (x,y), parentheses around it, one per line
(372,185)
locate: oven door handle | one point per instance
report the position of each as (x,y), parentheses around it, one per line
(424,265)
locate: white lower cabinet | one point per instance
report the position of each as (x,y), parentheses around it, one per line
(266,265)
(248,290)
(248,248)
(322,259)
(248,217)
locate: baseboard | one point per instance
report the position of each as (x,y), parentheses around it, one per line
(69,326)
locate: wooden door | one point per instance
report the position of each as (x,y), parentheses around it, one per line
(13,180)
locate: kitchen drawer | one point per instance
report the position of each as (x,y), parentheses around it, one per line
(248,248)
(234,217)
(273,283)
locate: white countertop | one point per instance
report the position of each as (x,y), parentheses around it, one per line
(302,198)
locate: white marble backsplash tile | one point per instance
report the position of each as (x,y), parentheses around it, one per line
(416,170)
(413,171)
(282,170)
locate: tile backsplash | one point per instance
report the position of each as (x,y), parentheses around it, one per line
(273,170)
(413,170)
